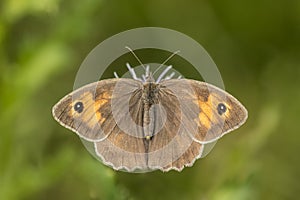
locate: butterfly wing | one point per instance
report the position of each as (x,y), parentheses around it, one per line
(105,111)
(192,120)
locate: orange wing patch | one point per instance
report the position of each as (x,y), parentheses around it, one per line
(90,115)
(98,105)
(205,116)
(208,111)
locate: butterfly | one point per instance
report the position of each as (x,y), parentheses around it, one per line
(143,124)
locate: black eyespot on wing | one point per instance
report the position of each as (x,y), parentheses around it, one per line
(78,107)
(221,108)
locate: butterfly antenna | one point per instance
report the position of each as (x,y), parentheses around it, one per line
(173,54)
(136,57)
(116,75)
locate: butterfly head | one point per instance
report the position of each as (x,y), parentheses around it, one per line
(149,78)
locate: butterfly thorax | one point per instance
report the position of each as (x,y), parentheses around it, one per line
(150,93)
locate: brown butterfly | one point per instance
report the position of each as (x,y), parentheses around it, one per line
(142,124)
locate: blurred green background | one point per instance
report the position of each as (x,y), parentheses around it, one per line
(255,44)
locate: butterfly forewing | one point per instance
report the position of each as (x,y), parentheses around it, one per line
(213,124)
(95,120)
